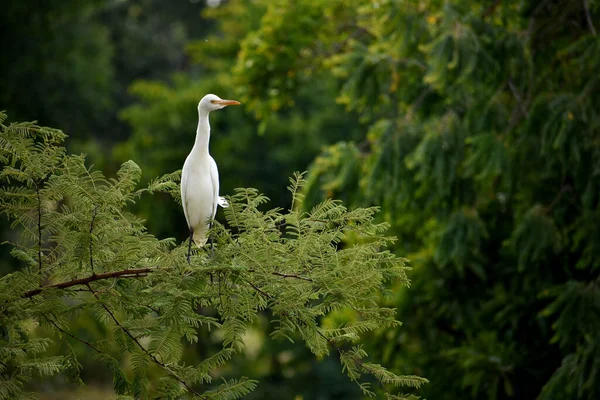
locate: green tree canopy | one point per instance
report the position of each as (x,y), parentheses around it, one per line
(69,63)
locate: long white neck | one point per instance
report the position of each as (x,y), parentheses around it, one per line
(202,134)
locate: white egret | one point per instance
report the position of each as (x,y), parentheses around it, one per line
(200,176)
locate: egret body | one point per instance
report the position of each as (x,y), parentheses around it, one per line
(200,176)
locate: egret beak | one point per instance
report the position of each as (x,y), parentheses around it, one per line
(227,102)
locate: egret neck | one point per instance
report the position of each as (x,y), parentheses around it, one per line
(202,133)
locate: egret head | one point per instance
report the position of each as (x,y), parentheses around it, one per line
(212,102)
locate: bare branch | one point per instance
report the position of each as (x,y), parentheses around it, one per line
(126,273)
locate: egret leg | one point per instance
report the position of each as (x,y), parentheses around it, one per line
(210,239)
(212,248)
(190,246)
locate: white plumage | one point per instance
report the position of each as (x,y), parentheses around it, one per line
(200,176)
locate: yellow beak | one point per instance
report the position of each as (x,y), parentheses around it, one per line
(227,102)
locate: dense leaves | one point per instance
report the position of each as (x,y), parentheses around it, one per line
(71,62)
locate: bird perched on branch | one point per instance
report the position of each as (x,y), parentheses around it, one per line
(200,176)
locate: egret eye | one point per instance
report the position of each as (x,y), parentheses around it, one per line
(212,101)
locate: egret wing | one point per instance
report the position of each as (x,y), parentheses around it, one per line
(214,176)
(183,185)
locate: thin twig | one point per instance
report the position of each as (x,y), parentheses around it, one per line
(563,190)
(39,226)
(532,20)
(259,290)
(136,341)
(491,9)
(517,95)
(356,360)
(73,336)
(153,309)
(417,103)
(126,273)
(91,229)
(287,275)
(586,7)
(292,276)
(219,290)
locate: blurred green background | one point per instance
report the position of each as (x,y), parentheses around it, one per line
(474,125)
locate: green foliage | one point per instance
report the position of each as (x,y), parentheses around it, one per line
(85,256)
(273,60)
(76,59)
(65,63)
(481,145)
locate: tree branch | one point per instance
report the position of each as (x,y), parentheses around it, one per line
(39,226)
(292,276)
(259,290)
(136,341)
(71,335)
(304,278)
(126,273)
(91,229)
